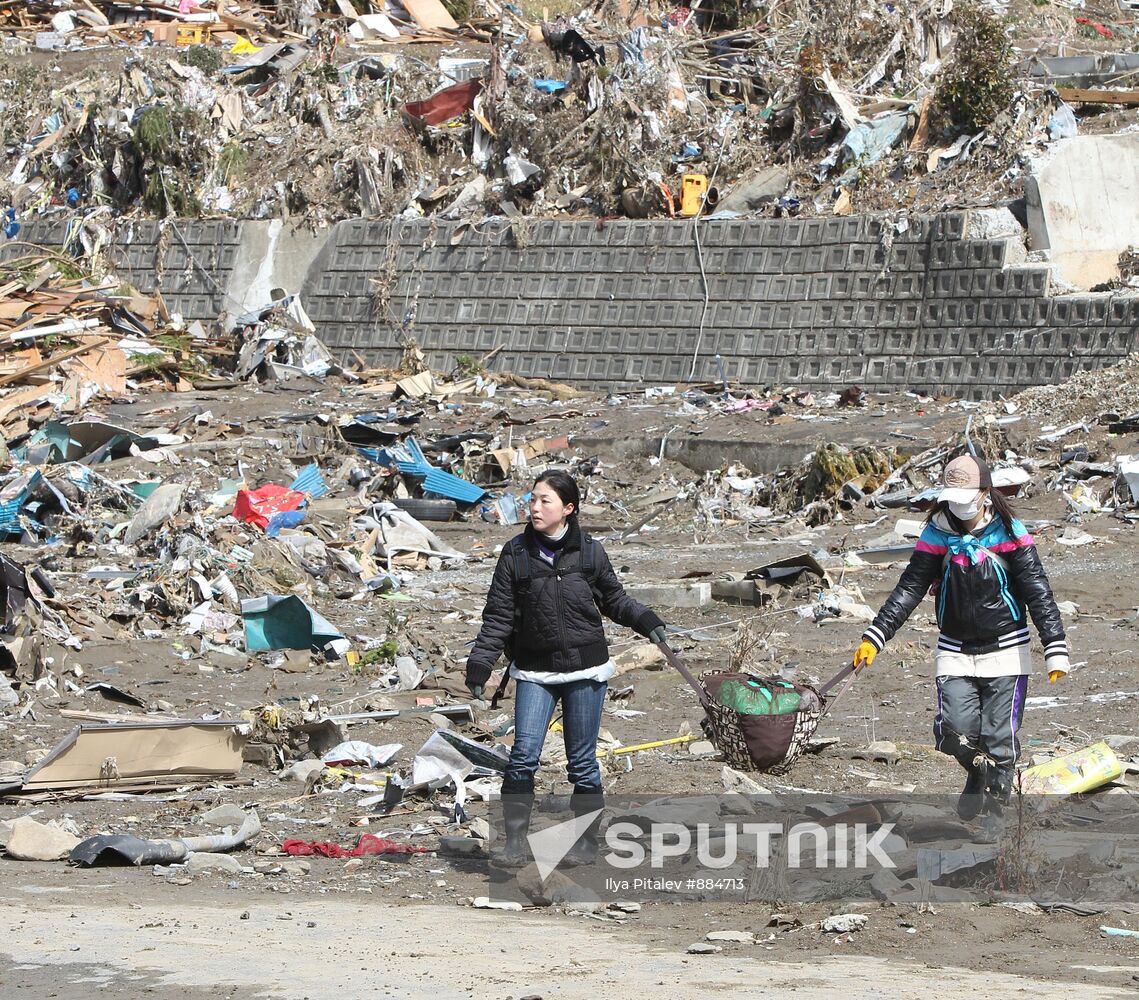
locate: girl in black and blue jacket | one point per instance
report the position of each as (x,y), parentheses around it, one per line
(982,566)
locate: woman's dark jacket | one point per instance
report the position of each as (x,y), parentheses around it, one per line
(552,621)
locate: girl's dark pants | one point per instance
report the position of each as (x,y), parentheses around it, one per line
(981,715)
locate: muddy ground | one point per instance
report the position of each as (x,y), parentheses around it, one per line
(404,926)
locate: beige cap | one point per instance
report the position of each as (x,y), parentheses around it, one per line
(963,477)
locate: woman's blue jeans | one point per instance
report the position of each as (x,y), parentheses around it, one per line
(534,706)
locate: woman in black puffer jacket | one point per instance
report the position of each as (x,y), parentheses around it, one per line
(550,589)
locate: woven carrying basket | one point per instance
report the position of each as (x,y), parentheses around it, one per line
(769,743)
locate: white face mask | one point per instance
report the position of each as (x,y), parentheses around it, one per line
(968,511)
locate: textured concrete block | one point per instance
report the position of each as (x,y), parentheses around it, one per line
(905,285)
(798,287)
(679,594)
(948,226)
(1123,310)
(1024,281)
(854,313)
(802,315)
(791,300)
(908,257)
(771,233)
(865,257)
(834,260)
(842,285)
(942,284)
(795,261)
(820,285)
(869,285)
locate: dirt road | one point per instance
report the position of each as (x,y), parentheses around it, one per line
(62,944)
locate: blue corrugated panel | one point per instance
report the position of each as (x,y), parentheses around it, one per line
(408,457)
(380,456)
(10,511)
(310,481)
(444,484)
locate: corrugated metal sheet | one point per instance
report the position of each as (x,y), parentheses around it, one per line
(443,484)
(10,509)
(310,481)
(408,457)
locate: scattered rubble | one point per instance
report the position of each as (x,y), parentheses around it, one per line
(328,650)
(481,109)
(239,574)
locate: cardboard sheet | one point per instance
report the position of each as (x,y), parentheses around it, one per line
(140,754)
(429,14)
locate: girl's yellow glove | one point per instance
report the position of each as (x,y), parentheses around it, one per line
(1055,675)
(864,655)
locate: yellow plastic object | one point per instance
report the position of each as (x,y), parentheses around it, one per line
(693,187)
(192,34)
(243,47)
(647,746)
(361,778)
(1073,773)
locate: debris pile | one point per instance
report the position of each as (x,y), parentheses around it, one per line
(420,109)
(1107,396)
(69,335)
(236,618)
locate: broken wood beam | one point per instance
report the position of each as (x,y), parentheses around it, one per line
(51,362)
(1079,95)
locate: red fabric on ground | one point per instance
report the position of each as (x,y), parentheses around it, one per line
(257,506)
(369,843)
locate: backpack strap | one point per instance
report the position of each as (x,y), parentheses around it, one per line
(589,558)
(589,561)
(521,563)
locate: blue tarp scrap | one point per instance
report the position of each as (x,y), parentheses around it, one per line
(283,519)
(310,481)
(869,141)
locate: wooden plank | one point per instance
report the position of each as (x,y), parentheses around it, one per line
(22,397)
(1078,95)
(13,360)
(52,361)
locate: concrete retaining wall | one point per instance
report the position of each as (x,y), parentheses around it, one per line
(1082,199)
(823,302)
